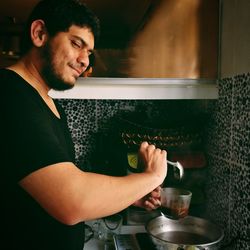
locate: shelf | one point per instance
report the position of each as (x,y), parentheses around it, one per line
(139,89)
(9,55)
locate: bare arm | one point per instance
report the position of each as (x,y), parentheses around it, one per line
(71,195)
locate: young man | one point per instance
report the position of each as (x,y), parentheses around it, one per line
(45,197)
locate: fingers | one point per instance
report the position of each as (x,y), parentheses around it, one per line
(158,189)
(144,144)
(151,147)
(164,152)
(147,148)
(153,200)
(156,193)
(152,203)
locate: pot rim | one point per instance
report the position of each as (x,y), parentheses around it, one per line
(175,243)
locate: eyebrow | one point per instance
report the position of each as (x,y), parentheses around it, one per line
(83,42)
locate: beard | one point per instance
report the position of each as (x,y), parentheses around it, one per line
(53,79)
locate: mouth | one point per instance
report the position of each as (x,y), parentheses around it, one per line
(77,70)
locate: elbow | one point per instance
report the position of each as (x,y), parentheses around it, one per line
(68,216)
(72,213)
(69,220)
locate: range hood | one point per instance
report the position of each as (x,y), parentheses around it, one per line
(139,89)
(157,39)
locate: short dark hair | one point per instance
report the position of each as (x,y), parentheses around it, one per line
(60,15)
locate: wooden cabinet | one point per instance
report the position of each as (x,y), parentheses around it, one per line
(10,33)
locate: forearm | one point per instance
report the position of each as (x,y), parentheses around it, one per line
(106,195)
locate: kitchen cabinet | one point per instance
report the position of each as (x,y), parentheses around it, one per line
(10,32)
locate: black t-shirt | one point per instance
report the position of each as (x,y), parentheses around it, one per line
(32,137)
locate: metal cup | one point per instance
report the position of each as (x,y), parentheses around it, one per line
(175,202)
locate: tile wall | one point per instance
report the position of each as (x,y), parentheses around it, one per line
(89,118)
(228,148)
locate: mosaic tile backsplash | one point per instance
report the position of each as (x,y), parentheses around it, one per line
(226,128)
(228,148)
(88,118)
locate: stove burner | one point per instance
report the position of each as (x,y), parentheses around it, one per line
(138,241)
(144,241)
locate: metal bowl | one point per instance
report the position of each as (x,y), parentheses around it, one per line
(188,233)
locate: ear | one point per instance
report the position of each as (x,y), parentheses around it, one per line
(38,33)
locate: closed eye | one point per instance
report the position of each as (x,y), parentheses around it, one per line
(80,44)
(76,44)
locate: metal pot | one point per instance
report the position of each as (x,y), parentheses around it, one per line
(189,233)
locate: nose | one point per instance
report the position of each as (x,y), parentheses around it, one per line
(83,58)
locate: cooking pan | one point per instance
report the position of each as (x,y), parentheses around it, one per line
(189,233)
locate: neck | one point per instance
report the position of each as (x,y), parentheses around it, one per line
(30,72)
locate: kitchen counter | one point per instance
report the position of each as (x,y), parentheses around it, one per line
(95,244)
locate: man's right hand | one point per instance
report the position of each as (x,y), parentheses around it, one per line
(154,160)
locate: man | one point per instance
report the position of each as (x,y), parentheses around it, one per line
(45,197)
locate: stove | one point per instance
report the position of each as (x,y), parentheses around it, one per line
(138,241)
